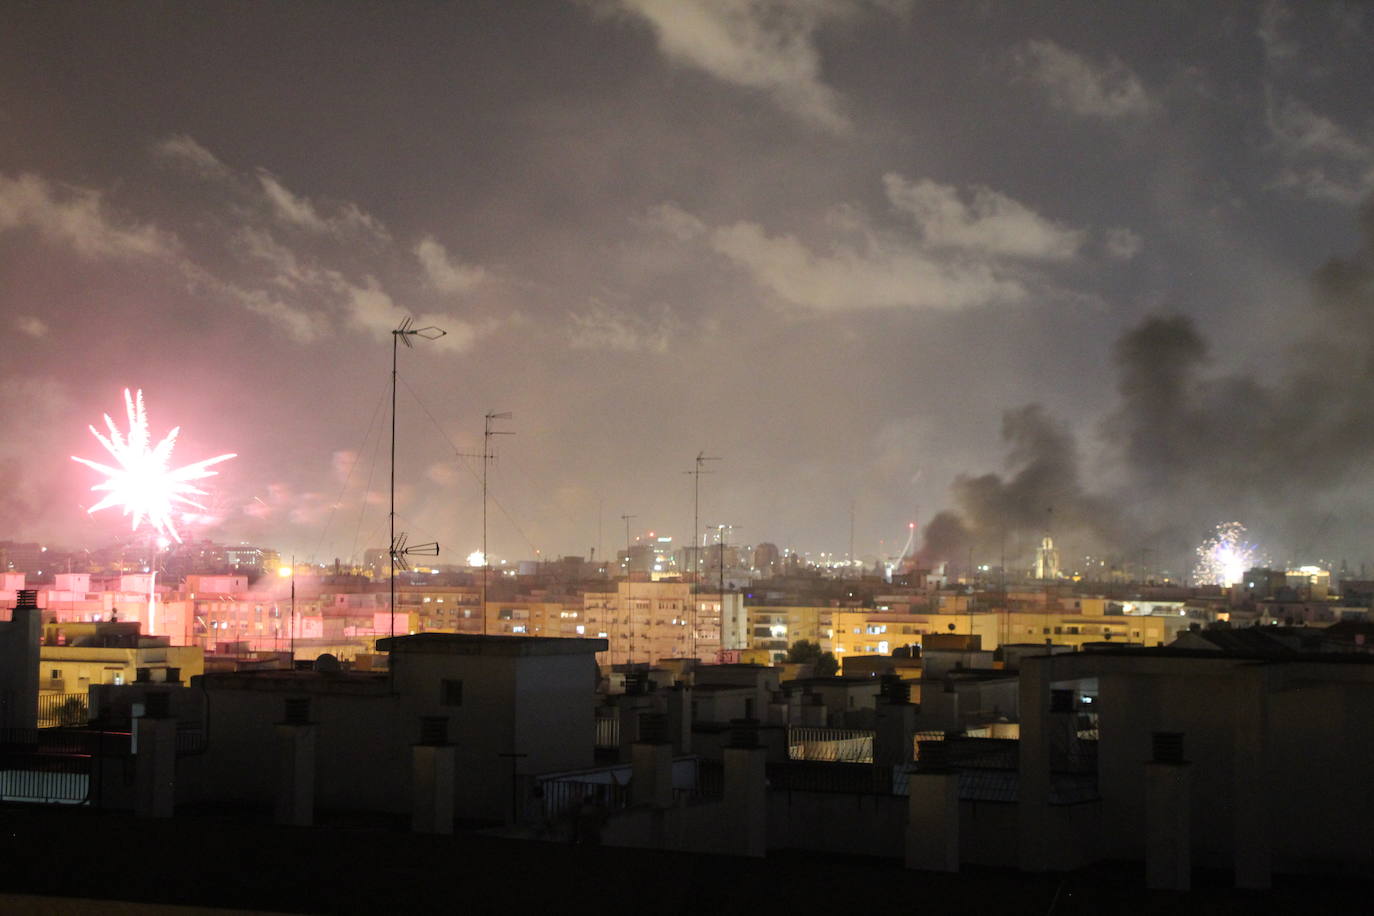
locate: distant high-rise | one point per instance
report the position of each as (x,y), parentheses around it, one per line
(766,558)
(1047,559)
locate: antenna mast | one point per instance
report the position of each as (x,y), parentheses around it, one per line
(487,433)
(695,555)
(400,335)
(629,584)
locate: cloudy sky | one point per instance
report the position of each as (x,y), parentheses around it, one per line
(885,257)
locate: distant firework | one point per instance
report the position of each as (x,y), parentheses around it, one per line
(141,481)
(1225,556)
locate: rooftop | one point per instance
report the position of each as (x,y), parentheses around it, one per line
(237,858)
(279,680)
(467,644)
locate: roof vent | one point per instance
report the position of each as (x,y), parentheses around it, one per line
(932,757)
(653,728)
(297,711)
(434,731)
(744,733)
(894,689)
(1168,747)
(157,704)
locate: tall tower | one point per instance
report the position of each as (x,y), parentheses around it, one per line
(1047,559)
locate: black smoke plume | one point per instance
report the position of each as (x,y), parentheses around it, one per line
(1287,448)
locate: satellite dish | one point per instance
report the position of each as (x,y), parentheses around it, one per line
(327,664)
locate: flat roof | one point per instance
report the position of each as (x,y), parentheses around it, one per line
(838,680)
(267,680)
(470,644)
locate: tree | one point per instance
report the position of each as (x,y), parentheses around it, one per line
(804,651)
(72,712)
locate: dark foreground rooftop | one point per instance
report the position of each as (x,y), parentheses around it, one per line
(238,860)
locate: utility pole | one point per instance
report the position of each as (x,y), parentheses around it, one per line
(629,585)
(487,433)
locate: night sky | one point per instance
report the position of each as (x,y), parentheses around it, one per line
(983,258)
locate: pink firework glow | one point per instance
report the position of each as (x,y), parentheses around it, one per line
(141,481)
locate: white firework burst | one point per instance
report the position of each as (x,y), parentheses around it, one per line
(1225,556)
(141,481)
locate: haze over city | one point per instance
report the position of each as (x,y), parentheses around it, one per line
(1100,269)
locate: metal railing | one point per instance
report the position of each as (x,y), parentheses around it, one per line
(564,798)
(710,780)
(845,745)
(607,732)
(191,739)
(63,741)
(1073,762)
(63,710)
(45,779)
(53,765)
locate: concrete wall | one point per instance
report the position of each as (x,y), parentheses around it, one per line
(851,824)
(987,834)
(555,706)
(542,706)
(987,697)
(481,728)
(1131,708)
(723,704)
(1298,773)
(1323,801)
(362,749)
(815,821)
(19,669)
(693,828)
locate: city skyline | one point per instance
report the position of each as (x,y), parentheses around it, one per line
(1101,274)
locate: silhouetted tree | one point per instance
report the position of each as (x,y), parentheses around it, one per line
(804,651)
